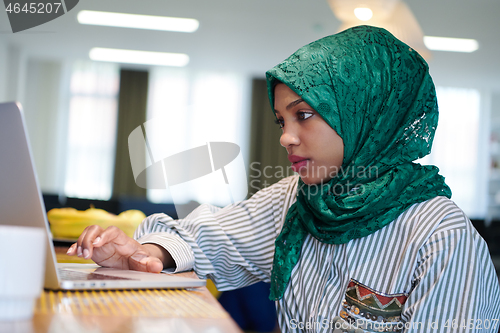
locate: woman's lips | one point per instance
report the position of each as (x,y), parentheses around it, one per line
(299,165)
(298,162)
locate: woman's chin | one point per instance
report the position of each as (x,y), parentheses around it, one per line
(314,181)
(311,175)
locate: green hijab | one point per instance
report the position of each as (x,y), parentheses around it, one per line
(377,94)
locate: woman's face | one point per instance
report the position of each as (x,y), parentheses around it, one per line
(315,150)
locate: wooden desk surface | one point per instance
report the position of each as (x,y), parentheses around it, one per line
(134,311)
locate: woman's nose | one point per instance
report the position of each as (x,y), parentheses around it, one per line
(289,138)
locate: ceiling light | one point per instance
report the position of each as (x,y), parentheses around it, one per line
(138,21)
(139,57)
(363,13)
(394,16)
(451,44)
(346,10)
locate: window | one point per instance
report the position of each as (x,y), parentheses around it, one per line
(456,147)
(188,109)
(92,130)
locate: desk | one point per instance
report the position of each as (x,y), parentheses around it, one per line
(134,311)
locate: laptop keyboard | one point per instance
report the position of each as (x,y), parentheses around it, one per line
(78,276)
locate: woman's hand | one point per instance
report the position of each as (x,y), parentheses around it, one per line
(113,248)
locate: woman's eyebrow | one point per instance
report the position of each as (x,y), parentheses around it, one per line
(291,105)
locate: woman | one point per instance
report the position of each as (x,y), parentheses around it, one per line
(362,237)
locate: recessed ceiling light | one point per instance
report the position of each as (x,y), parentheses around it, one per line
(363,13)
(139,57)
(451,44)
(137,21)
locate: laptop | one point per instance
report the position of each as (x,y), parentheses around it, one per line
(21,204)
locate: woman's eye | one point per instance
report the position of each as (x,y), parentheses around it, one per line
(304,115)
(280,122)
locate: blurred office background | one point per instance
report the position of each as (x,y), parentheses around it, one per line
(80,112)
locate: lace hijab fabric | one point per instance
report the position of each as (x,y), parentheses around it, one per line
(377,94)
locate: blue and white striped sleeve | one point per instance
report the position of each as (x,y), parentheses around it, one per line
(455,283)
(233,246)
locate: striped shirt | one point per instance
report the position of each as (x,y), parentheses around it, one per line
(431,253)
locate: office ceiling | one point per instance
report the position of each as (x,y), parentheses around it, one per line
(252,36)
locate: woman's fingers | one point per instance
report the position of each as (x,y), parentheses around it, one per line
(76,248)
(111,234)
(87,239)
(154,265)
(113,248)
(72,249)
(147,258)
(141,261)
(110,247)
